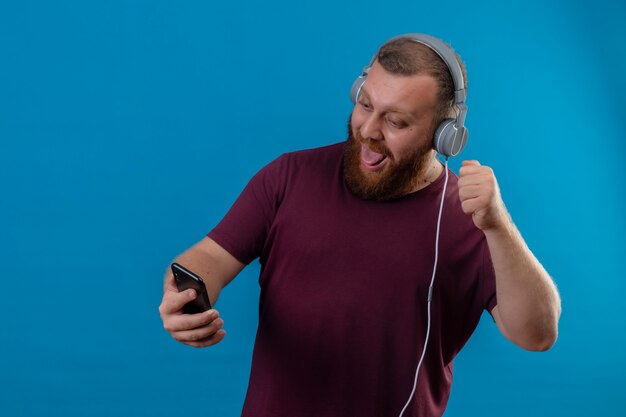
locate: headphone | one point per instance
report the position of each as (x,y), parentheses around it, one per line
(451,135)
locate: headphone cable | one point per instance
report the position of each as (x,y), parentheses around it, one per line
(430,288)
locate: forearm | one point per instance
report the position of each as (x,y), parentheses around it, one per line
(529,305)
(213,264)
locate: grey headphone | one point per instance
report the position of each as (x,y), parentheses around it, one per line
(451,135)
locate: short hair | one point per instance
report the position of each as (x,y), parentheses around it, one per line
(404,56)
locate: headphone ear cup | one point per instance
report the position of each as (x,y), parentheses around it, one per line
(448,139)
(356,88)
(442,136)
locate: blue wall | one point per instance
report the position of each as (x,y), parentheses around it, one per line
(110,110)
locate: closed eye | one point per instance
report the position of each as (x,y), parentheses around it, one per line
(365,105)
(396,124)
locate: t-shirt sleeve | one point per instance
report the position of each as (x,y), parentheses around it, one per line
(244,229)
(488,278)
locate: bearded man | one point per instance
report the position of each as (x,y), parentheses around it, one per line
(350,238)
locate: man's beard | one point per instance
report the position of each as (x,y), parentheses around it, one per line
(396,179)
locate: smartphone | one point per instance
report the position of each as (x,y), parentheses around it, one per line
(185,279)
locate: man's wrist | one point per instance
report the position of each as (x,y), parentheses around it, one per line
(503,228)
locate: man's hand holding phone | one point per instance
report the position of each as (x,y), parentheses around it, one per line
(198,330)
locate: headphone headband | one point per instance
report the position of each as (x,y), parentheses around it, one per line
(445,53)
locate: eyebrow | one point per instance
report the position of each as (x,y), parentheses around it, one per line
(389,109)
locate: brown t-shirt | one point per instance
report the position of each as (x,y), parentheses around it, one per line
(344,286)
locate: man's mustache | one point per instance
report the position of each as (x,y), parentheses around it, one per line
(374,145)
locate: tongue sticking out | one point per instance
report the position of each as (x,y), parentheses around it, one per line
(370,157)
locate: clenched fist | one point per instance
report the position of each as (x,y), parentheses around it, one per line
(480,196)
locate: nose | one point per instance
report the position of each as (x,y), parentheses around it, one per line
(371,127)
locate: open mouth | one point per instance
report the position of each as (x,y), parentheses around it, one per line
(372,160)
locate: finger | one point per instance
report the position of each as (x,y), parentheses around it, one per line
(470,162)
(472,205)
(200,333)
(210,341)
(475,170)
(469,170)
(470,191)
(174,301)
(180,322)
(473,179)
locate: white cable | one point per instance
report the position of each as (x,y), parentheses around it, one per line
(430,289)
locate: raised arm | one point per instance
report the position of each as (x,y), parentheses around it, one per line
(529,305)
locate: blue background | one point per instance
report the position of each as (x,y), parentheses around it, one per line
(127,129)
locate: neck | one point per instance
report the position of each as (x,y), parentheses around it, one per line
(431,173)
